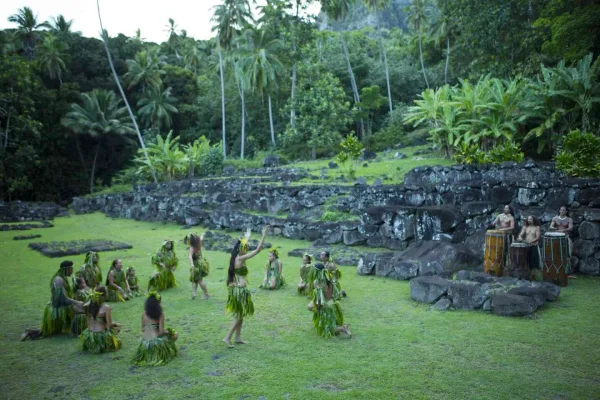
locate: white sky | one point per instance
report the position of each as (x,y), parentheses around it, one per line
(123,16)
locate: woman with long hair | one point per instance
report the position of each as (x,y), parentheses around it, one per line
(273,279)
(82,293)
(157,346)
(101,334)
(132,281)
(116,282)
(199,267)
(165,262)
(239,300)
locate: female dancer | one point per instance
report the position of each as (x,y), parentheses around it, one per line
(303,286)
(199,267)
(158,343)
(327,313)
(273,279)
(90,270)
(336,275)
(118,288)
(101,334)
(132,281)
(165,262)
(79,323)
(239,300)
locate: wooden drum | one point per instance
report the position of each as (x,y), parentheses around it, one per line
(493,263)
(519,257)
(556,258)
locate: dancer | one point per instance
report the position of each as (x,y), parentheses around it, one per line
(157,346)
(564,224)
(116,282)
(328,318)
(79,323)
(102,334)
(132,281)
(58,314)
(303,285)
(90,270)
(199,267)
(273,279)
(239,300)
(336,275)
(165,262)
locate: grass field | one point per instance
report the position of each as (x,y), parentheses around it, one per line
(399,349)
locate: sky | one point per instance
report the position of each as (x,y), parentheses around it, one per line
(123,16)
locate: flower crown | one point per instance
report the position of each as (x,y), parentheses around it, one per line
(155,294)
(96,297)
(244,245)
(274,252)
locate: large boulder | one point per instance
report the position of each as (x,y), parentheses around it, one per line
(466,295)
(589,266)
(433,221)
(539,295)
(428,289)
(584,248)
(511,305)
(398,269)
(270,161)
(367,262)
(552,290)
(451,256)
(589,230)
(354,238)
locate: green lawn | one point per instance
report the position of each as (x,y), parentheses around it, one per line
(400,349)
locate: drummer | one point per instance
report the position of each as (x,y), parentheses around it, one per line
(564,224)
(531,234)
(506,222)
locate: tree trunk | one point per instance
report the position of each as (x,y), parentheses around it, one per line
(293,110)
(78,146)
(352,82)
(243,119)
(222,98)
(7,129)
(422,64)
(271,122)
(112,67)
(385,63)
(93,174)
(447,59)
(60,82)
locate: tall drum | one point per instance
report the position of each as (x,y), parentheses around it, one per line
(519,257)
(556,258)
(493,263)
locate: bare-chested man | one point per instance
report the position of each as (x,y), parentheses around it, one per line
(564,224)
(531,234)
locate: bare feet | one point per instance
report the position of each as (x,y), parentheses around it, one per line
(193,297)
(347,330)
(228,343)
(240,341)
(572,277)
(24,335)
(206,297)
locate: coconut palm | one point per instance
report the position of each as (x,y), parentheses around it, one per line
(138,39)
(145,70)
(156,108)
(375,6)
(28,29)
(60,25)
(443,29)
(99,115)
(260,65)
(418,17)
(50,57)
(173,37)
(192,56)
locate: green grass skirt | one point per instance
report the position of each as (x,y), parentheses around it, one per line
(79,324)
(279,282)
(99,342)
(114,296)
(199,272)
(327,318)
(157,351)
(337,290)
(239,302)
(57,320)
(163,280)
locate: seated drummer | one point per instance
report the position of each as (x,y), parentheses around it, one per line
(506,220)
(531,234)
(564,224)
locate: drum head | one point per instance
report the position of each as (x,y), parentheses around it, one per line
(554,234)
(519,245)
(494,232)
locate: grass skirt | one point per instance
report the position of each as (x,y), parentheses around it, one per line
(99,342)
(279,281)
(337,290)
(157,351)
(114,296)
(162,280)
(79,324)
(57,320)
(239,302)
(327,318)
(199,271)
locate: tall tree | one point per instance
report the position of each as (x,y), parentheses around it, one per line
(28,29)
(145,70)
(442,29)
(60,25)
(99,115)
(156,108)
(173,39)
(50,57)
(231,17)
(129,110)
(375,6)
(418,16)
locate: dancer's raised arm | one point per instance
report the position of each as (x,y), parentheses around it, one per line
(260,245)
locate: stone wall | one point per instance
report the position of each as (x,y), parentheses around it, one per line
(453,204)
(18,211)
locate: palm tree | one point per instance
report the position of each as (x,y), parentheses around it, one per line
(145,70)
(50,57)
(230,17)
(156,108)
(60,25)
(138,39)
(191,56)
(375,6)
(442,29)
(418,18)
(28,29)
(260,65)
(100,115)
(129,110)
(173,38)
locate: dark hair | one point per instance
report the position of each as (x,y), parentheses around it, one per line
(309,258)
(194,240)
(234,254)
(114,263)
(511,209)
(112,266)
(66,264)
(95,307)
(566,208)
(320,265)
(152,308)
(327,253)
(536,221)
(79,280)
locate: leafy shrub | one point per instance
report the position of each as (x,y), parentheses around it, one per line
(351,149)
(580,155)
(212,163)
(472,154)
(334,216)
